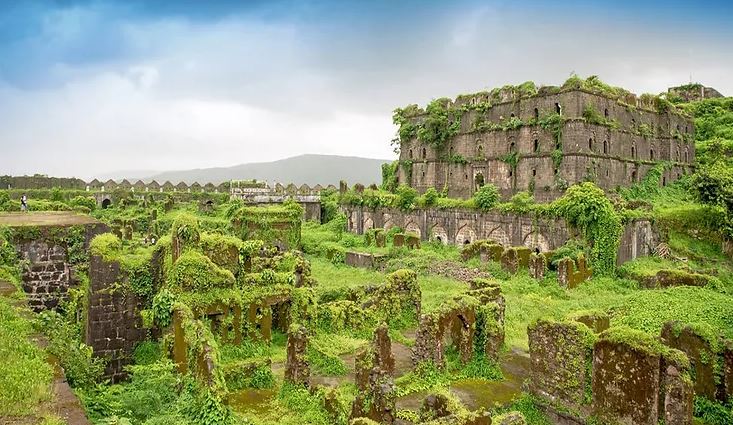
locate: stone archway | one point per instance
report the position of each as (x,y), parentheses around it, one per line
(438,233)
(106,203)
(536,240)
(465,235)
(411,227)
(498,235)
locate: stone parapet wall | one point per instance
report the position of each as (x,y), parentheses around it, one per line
(48,272)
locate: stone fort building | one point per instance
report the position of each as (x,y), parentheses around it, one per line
(544,140)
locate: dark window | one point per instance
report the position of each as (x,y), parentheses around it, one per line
(465,177)
(512,147)
(479,181)
(536,145)
(605,146)
(678,155)
(664,181)
(511,172)
(633,176)
(686,156)
(424,153)
(410,154)
(633,151)
(651,154)
(106,203)
(590,143)
(606,172)
(536,113)
(450,151)
(512,115)
(605,112)
(555,171)
(678,127)
(558,109)
(534,172)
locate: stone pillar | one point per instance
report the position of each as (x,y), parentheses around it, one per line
(510,260)
(701,355)
(297,369)
(560,354)
(626,379)
(114,325)
(375,380)
(678,393)
(537,265)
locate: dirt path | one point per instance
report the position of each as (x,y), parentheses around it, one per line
(44,218)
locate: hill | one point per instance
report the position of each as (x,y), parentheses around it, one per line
(309,169)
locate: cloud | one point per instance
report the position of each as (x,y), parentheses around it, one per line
(103,87)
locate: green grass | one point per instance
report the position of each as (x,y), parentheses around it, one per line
(25,376)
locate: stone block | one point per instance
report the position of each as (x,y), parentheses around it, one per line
(412,241)
(537,265)
(398,240)
(700,353)
(626,378)
(510,260)
(677,390)
(560,359)
(597,321)
(364,260)
(297,369)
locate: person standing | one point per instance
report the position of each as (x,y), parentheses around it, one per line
(24,203)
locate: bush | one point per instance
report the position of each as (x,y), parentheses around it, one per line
(406,197)
(84,201)
(431,197)
(486,197)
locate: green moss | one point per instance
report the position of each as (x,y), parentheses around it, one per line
(196,272)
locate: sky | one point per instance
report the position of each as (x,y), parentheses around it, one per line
(92,87)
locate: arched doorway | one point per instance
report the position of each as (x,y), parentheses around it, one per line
(106,203)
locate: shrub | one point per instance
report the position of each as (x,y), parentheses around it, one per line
(406,197)
(486,197)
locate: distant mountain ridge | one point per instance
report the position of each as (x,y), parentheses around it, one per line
(310,169)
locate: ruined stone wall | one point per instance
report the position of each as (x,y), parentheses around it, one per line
(460,227)
(610,157)
(114,325)
(47,274)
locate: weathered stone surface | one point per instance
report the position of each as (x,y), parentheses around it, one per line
(597,321)
(297,369)
(375,380)
(458,318)
(434,406)
(560,354)
(412,241)
(114,325)
(363,259)
(510,260)
(537,265)
(380,239)
(678,393)
(572,273)
(728,370)
(626,383)
(398,240)
(699,352)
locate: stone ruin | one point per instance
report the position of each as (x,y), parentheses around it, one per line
(582,370)
(297,369)
(473,323)
(571,273)
(375,368)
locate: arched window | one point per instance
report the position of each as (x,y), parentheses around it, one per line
(536,145)
(555,171)
(605,146)
(558,109)
(651,154)
(410,154)
(633,176)
(450,151)
(633,151)
(480,151)
(534,172)
(424,153)
(605,112)
(465,177)
(536,113)
(664,181)
(512,115)
(512,147)
(511,172)
(590,144)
